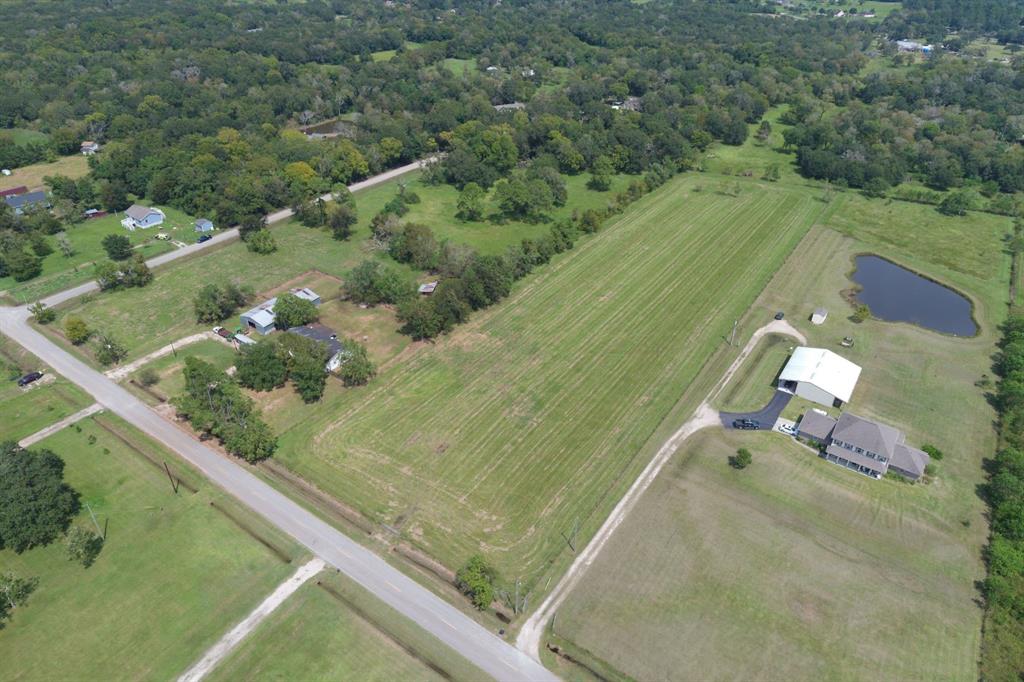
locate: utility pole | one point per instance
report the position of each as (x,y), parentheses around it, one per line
(174,484)
(732,337)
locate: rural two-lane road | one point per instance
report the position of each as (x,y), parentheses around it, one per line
(481,647)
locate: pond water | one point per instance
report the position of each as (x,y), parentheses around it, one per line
(896,294)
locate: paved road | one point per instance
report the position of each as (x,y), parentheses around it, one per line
(232,234)
(484,649)
(767,415)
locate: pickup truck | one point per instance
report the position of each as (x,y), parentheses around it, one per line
(223,333)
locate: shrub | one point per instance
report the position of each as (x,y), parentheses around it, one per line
(932,452)
(476,579)
(76,330)
(860,313)
(147,377)
(42,314)
(742,459)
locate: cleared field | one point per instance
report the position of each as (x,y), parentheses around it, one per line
(796,568)
(790,569)
(74,166)
(175,574)
(23,135)
(337,631)
(530,416)
(61,272)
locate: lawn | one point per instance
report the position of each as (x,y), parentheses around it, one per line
(175,574)
(338,631)
(794,554)
(149,318)
(752,387)
(791,569)
(23,411)
(168,368)
(74,166)
(498,436)
(61,272)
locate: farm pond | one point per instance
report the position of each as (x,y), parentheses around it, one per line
(895,294)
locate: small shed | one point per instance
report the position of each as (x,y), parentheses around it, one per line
(428,288)
(204,225)
(819,316)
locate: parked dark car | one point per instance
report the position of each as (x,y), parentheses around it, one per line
(746,424)
(203,238)
(29,378)
(779,315)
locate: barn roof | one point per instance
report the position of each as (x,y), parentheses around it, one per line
(820,367)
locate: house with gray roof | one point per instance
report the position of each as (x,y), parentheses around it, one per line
(865,446)
(27,201)
(336,352)
(138,217)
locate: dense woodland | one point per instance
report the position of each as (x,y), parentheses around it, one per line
(199,106)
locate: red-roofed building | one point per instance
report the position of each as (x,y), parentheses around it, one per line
(13,192)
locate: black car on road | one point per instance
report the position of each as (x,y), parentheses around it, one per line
(204,238)
(746,424)
(29,378)
(779,315)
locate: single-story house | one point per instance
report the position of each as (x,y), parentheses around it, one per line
(912,46)
(428,288)
(243,340)
(142,217)
(89,147)
(14,191)
(865,446)
(262,319)
(819,375)
(819,316)
(24,202)
(204,225)
(512,106)
(336,352)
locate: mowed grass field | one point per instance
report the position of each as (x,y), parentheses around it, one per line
(498,436)
(796,568)
(792,569)
(174,576)
(331,629)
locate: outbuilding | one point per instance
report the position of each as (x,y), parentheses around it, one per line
(204,225)
(819,316)
(262,318)
(819,375)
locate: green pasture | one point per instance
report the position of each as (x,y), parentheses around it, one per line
(792,569)
(498,436)
(902,557)
(174,575)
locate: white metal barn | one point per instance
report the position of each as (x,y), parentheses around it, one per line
(819,375)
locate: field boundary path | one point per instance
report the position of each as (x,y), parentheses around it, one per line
(232,234)
(121,372)
(460,632)
(54,428)
(234,637)
(528,640)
